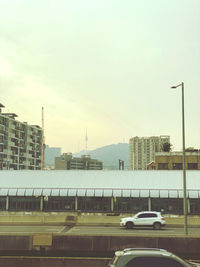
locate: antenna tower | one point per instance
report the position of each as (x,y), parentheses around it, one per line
(86,141)
(43,150)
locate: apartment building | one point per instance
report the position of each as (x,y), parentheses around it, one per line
(174,160)
(142,150)
(20,144)
(67,162)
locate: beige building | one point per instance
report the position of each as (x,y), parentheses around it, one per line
(174,161)
(142,150)
(67,162)
(20,144)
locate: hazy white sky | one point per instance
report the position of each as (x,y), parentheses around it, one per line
(104,65)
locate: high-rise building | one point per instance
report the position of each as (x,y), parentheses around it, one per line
(50,154)
(20,144)
(142,150)
(67,162)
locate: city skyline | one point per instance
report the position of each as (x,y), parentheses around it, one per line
(104,66)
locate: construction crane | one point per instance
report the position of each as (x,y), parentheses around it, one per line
(43,148)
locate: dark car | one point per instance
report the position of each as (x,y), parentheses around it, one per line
(148,257)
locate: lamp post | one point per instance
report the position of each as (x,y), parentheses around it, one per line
(184,167)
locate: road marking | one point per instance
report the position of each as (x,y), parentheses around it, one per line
(52,229)
(29,229)
(72,230)
(62,229)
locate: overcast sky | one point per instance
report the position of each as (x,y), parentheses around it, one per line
(104,65)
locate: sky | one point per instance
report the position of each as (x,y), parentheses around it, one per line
(102,65)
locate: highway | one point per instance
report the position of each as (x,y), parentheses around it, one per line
(97,230)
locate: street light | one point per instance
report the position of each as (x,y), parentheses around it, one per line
(184,169)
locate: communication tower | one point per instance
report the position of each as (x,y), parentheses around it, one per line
(86,141)
(43,148)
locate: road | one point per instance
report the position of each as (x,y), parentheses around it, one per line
(97,230)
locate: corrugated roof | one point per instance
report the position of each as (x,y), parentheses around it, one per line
(99,183)
(99,179)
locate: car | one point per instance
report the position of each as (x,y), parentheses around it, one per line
(145,218)
(148,257)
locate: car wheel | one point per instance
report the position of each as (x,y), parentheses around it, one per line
(129,225)
(157,226)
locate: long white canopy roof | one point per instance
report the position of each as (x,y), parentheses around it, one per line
(99,183)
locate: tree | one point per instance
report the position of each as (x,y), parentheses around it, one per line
(166,147)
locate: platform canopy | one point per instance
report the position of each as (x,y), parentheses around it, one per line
(99,183)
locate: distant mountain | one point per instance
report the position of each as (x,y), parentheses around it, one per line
(110,155)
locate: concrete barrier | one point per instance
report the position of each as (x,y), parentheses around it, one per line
(15,243)
(106,245)
(47,262)
(65,245)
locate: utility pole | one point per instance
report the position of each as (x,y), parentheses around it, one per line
(185,208)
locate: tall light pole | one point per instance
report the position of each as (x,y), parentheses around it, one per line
(184,167)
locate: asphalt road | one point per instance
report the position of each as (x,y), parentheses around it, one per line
(97,230)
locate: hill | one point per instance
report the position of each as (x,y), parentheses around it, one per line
(110,155)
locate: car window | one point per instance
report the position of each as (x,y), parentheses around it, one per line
(143,215)
(153,262)
(150,215)
(147,215)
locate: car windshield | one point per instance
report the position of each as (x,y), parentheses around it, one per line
(153,262)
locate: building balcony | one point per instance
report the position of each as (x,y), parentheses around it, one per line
(14,145)
(14,153)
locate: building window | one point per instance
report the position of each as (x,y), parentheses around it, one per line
(177,166)
(59,204)
(130,204)
(162,166)
(17,203)
(195,206)
(167,205)
(192,166)
(94,204)
(2,203)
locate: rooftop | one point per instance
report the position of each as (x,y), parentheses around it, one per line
(12,115)
(95,183)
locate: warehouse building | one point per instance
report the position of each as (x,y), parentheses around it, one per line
(102,192)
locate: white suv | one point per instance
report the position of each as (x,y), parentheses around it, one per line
(144,218)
